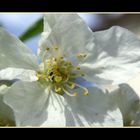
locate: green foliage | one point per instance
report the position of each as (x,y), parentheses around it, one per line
(33,30)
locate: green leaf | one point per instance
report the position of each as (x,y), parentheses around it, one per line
(33,30)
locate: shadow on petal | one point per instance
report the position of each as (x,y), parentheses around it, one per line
(129,104)
(6,113)
(28,101)
(97,109)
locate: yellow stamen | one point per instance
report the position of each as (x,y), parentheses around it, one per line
(71,85)
(58,79)
(56,47)
(78,68)
(59,74)
(47,49)
(69,63)
(79,56)
(85,55)
(58,89)
(54,59)
(50,77)
(40,76)
(82,74)
(85,89)
(70,94)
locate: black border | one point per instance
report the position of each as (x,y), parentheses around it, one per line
(69,6)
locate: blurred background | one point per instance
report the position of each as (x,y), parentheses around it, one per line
(20,23)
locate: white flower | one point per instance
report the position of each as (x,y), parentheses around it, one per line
(69,50)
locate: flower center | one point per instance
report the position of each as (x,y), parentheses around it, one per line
(59,71)
(60,74)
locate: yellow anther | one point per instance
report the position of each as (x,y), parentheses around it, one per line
(69,63)
(56,47)
(58,79)
(70,94)
(75,94)
(85,55)
(58,89)
(50,77)
(40,76)
(72,85)
(82,74)
(79,56)
(86,93)
(78,68)
(47,49)
(53,59)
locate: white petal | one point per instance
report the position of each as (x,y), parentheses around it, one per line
(134,84)
(35,106)
(128,102)
(27,99)
(97,109)
(13,53)
(68,31)
(6,114)
(114,58)
(16,73)
(56,111)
